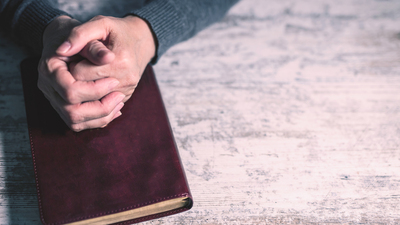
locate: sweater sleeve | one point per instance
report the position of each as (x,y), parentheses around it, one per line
(27,19)
(173,21)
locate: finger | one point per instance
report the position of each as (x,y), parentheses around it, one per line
(74,92)
(87,111)
(98,123)
(57,102)
(55,73)
(86,71)
(78,113)
(81,35)
(97,53)
(68,59)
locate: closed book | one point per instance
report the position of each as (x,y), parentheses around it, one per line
(127,172)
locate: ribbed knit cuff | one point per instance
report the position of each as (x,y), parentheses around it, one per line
(33,21)
(165,21)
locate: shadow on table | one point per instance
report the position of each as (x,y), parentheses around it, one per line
(19,202)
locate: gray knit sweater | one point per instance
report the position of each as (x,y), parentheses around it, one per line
(172,21)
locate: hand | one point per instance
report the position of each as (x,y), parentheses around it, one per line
(129,38)
(81,104)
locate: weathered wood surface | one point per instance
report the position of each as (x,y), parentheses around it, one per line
(285,112)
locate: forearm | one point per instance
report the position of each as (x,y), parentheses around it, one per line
(27,20)
(173,21)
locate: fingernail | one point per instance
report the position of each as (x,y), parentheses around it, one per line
(64,47)
(113,84)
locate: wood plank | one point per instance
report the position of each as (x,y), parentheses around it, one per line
(284,112)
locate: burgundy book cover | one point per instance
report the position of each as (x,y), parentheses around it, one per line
(131,163)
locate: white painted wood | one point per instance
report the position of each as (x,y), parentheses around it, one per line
(284,112)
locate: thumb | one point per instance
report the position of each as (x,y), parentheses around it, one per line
(97,53)
(81,35)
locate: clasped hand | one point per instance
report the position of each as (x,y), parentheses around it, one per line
(87,71)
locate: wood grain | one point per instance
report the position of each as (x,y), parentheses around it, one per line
(285,112)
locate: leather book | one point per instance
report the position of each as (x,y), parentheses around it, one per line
(127,172)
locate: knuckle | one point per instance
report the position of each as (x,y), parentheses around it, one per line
(75,118)
(104,121)
(95,91)
(71,96)
(128,96)
(77,32)
(125,60)
(98,17)
(79,76)
(105,111)
(132,81)
(50,65)
(77,127)
(105,20)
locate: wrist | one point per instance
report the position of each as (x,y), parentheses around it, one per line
(142,30)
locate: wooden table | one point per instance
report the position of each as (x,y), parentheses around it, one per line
(284,112)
